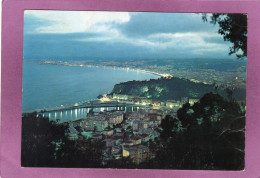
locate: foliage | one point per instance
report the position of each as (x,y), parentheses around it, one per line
(79,153)
(171,89)
(44,144)
(36,140)
(233,28)
(167,125)
(212,137)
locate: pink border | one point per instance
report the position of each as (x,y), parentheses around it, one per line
(12,55)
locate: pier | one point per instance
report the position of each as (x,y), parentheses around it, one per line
(65,114)
(91,105)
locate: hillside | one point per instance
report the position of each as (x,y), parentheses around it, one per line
(168,89)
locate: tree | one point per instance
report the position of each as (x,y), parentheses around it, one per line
(233,27)
(44,144)
(100,96)
(80,153)
(167,125)
(37,150)
(183,116)
(217,141)
(229,93)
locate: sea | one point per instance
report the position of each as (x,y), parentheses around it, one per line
(51,86)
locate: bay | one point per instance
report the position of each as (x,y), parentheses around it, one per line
(49,86)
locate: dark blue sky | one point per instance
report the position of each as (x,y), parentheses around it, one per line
(120,35)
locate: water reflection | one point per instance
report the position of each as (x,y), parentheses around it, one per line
(76,113)
(80,113)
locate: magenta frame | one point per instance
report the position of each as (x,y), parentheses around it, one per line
(11,86)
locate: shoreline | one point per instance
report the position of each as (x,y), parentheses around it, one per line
(61,63)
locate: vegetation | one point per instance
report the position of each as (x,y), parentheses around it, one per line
(233,28)
(169,89)
(44,144)
(212,136)
(36,147)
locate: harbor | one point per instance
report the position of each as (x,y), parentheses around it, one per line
(64,114)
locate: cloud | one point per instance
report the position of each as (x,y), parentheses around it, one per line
(165,41)
(77,21)
(120,34)
(148,23)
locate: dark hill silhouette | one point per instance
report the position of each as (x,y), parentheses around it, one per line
(174,88)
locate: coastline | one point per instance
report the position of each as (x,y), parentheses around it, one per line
(99,66)
(84,103)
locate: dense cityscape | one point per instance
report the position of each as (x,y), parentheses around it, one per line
(126,133)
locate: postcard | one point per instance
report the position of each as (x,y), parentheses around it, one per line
(132,90)
(120,91)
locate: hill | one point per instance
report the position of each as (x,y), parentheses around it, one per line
(168,89)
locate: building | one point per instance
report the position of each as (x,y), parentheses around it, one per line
(136,124)
(136,140)
(120,97)
(136,115)
(108,132)
(72,133)
(115,117)
(154,111)
(150,131)
(172,103)
(78,123)
(128,143)
(100,121)
(156,103)
(146,101)
(144,125)
(96,123)
(193,100)
(138,153)
(157,118)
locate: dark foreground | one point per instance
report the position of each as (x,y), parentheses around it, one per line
(210,135)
